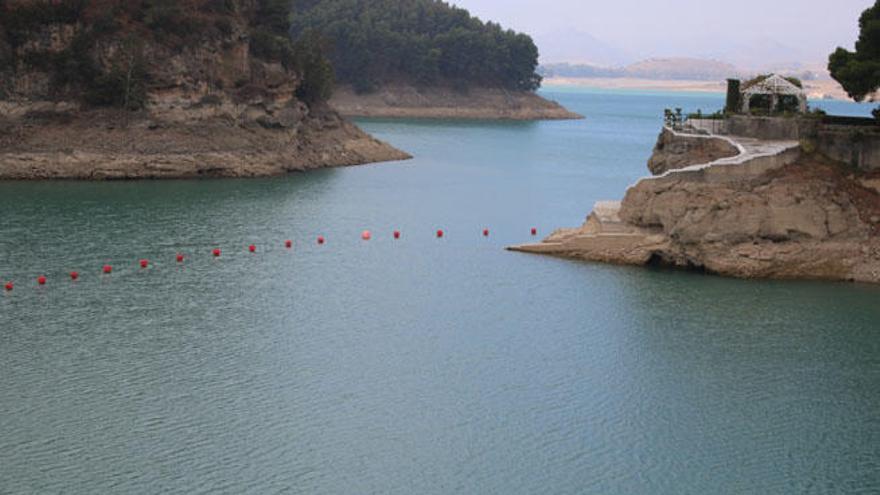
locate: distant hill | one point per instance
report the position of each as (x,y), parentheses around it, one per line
(417,42)
(659,68)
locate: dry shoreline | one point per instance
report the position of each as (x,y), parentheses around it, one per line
(109,145)
(768,209)
(403,101)
(818,89)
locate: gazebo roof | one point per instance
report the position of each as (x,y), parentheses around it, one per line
(772,85)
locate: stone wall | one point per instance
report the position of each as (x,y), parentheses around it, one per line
(675,151)
(855,146)
(858,146)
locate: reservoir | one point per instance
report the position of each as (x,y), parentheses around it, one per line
(417,365)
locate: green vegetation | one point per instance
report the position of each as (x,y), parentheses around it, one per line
(763,77)
(270,40)
(734,96)
(120,77)
(859,72)
(422,42)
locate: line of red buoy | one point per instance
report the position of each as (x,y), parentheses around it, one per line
(366,235)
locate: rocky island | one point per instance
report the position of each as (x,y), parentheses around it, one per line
(108,89)
(747,196)
(425,59)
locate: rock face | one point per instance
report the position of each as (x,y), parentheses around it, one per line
(676,151)
(113,96)
(403,101)
(803,217)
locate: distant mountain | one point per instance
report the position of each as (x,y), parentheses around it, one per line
(657,68)
(575,46)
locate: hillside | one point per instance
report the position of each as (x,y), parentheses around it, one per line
(423,42)
(424,58)
(162,88)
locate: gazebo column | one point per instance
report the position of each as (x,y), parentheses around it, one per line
(746,101)
(774,102)
(802,103)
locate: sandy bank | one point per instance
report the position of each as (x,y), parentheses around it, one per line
(401,101)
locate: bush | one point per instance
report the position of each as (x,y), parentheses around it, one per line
(22,20)
(273,48)
(314,69)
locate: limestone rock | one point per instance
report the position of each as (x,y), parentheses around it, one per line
(674,152)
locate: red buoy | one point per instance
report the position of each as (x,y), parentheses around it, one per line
(397,234)
(41,280)
(216,253)
(366,235)
(320,239)
(74,275)
(534,231)
(288,244)
(252,248)
(180,258)
(144,263)
(108,269)
(485,232)
(9,286)
(439,234)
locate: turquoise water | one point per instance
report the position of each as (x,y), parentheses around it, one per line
(419,365)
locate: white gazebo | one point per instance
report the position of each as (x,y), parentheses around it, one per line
(774,86)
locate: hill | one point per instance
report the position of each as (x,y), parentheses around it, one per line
(419,42)
(165,88)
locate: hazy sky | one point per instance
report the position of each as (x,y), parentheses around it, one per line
(756,32)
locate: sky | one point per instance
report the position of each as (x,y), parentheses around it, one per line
(752,34)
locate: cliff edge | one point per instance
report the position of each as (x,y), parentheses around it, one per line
(770,210)
(107,89)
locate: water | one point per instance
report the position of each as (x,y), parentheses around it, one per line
(419,365)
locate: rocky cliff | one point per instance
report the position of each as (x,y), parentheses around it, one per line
(95,89)
(772,211)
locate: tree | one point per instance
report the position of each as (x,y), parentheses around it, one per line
(859,72)
(421,42)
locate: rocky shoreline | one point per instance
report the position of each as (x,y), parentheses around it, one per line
(104,145)
(772,210)
(403,101)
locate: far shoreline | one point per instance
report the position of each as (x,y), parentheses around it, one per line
(817,90)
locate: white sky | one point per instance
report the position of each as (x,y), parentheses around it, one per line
(755,32)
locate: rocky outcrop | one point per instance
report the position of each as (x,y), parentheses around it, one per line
(403,101)
(674,151)
(97,145)
(763,214)
(110,95)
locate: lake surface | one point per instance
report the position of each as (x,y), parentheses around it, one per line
(418,365)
